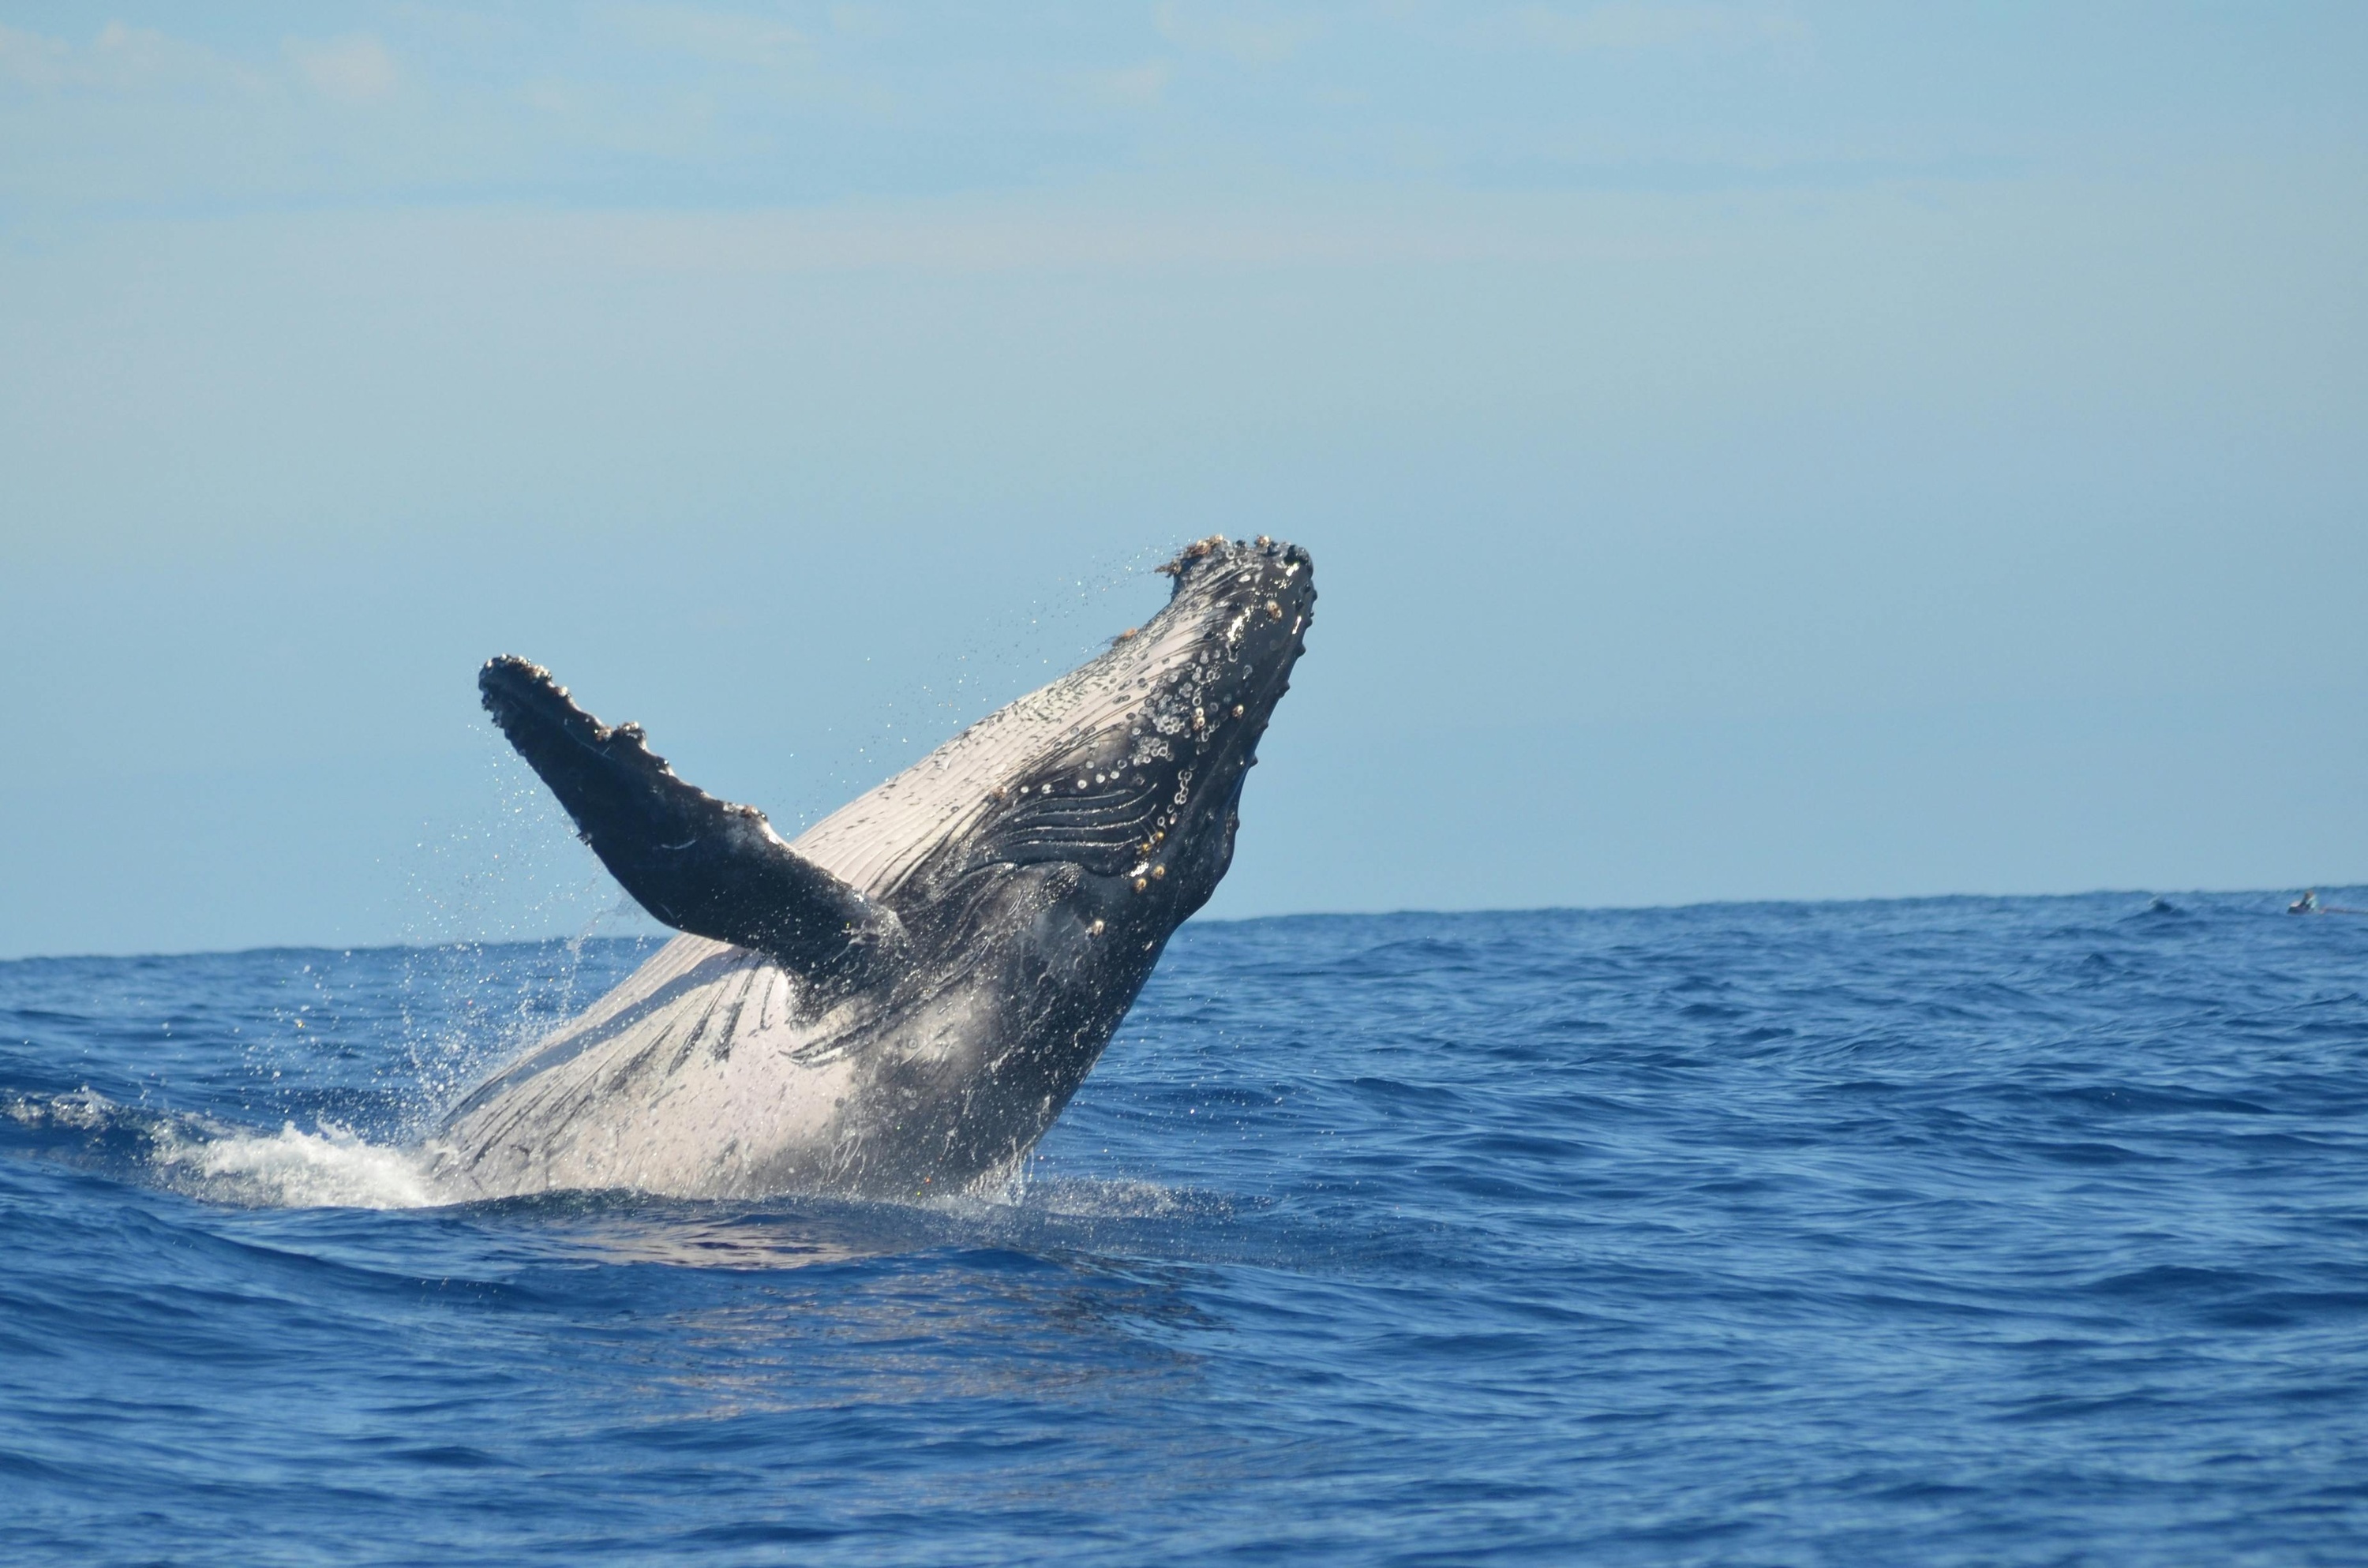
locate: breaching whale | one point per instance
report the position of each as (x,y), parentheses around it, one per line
(900,1001)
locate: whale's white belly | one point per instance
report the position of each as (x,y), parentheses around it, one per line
(687,1079)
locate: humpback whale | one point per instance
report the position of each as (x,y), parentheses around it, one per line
(900,1001)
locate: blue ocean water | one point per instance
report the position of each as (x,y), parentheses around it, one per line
(2013,1230)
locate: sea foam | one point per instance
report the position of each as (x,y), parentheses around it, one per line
(334,1168)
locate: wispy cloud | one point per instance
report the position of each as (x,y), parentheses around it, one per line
(550,95)
(865,21)
(1137,86)
(1627,26)
(346,70)
(725,38)
(32,60)
(120,58)
(1261,38)
(1012,235)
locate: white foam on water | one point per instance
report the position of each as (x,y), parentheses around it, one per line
(85,1110)
(735,1241)
(1086,1197)
(333,1168)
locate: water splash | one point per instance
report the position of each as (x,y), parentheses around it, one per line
(333,1168)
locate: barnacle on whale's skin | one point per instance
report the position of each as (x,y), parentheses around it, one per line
(902,999)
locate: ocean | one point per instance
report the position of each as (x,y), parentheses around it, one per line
(1952,1230)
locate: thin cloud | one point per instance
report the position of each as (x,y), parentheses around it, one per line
(725,38)
(1626,26)
(1007,235)
(119,58)
(1253,40)
(865,21)
(1138,87)
(549,95)
(32,60)
(348,70)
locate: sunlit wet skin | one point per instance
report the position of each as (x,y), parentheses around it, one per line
(1038,863)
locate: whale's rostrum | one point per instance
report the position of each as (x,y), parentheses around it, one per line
(900,1000)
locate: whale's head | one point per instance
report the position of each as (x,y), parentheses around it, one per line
(1214,665)
(1114,792)
(1137,784)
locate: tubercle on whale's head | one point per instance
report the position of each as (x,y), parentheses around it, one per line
(1221,562)
(1241,599)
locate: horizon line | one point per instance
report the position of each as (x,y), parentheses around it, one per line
(348,951)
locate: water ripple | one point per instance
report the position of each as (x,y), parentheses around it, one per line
(1950,1231)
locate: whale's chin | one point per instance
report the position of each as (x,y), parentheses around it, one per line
(900,1001)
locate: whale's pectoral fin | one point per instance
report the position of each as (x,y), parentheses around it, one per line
(698,864)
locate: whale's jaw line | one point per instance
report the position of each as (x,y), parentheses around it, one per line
(1031,871)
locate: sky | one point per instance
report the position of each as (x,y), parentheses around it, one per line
(1798,451)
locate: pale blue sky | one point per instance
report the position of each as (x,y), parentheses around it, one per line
(1749,450)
